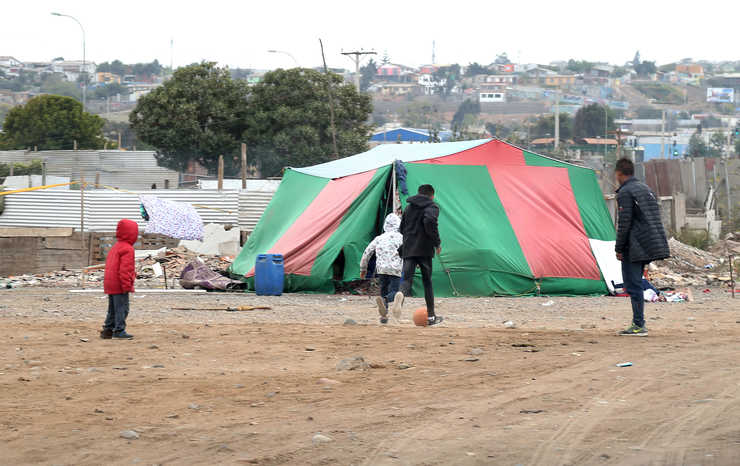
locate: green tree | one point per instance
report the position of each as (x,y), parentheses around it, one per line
(717,144)
(197,115)
(475,69)
(421,115)
(649,113)
(52,122)
(56,84)
(367,74)
(697,146)
(645,68)
(579,66)
(450,75)
(545,127)
(468,107)
(589,121)
(498,130)
(109,90)
(288,123)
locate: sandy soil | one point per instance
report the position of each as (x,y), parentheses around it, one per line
(256,387)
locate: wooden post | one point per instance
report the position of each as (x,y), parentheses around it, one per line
(166,183)
(75,145)
(220,172)
(97,179)
(119,140)
(12,167)
(82,207)
(43,173)
(35,148)
(244,166)
(732,276)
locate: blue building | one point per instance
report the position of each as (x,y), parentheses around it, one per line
(409,135)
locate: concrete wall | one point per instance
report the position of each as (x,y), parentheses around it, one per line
(39,254)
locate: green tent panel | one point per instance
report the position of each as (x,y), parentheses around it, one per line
(512,222)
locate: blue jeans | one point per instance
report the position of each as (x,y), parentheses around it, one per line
(117,313)
(632,278)
(388,287)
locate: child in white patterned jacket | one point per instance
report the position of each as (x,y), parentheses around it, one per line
(388,263)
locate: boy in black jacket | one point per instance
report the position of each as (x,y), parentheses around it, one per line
(420,242)
(641,238)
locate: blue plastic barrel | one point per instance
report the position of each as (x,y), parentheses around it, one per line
(269,275)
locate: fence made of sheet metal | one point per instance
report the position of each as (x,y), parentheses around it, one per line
(102,209)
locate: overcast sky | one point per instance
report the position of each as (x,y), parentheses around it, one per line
(239,33)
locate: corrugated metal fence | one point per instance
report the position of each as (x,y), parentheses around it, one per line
(117,168)
(103,209)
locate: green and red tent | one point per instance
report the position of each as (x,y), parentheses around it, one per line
(512,222)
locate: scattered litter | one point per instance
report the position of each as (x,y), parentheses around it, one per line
(509,324)
(531,411)
(227,309)
(624,364)
(129,434)
(548,303)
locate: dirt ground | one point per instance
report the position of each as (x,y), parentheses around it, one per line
(256,387)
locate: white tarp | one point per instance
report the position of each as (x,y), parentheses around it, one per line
(606,258)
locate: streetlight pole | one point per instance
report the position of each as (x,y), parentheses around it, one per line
(286,53)
(84,67)
(606,128)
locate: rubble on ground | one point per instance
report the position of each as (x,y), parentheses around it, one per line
(150,271)
(690,266)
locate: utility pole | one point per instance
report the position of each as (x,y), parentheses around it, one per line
(556,143)
(331,103)
(662,135)
(356,56)
(244,166)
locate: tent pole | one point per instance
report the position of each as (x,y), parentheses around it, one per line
(395,193)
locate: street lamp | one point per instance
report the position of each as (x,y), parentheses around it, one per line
(286,53)
(84,67)
(606,128)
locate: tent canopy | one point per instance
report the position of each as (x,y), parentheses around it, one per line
(512,222)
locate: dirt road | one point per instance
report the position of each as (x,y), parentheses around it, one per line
(256,387)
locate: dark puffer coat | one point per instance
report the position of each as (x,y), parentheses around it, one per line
(640,233)
(419,227)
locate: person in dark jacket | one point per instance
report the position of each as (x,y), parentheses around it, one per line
(118,282)
(420,242)
(641,238)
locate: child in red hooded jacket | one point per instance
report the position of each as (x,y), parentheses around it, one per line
(120,274)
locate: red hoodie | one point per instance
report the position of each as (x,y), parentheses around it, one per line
(120,272)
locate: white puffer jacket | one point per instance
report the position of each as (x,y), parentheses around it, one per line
(385,247)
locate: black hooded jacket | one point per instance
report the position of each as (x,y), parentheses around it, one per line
(640,234)
(419,227)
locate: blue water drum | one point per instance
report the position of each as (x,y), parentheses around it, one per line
(269,275)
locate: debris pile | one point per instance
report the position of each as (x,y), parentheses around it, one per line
(689,266)
(151,268)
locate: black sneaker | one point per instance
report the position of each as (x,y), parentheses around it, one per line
(122,336)
(106,334)
(383,320)
(435,320)
(634,331)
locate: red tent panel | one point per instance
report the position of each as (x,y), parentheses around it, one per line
(542,209)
